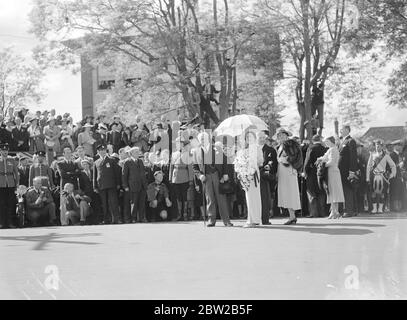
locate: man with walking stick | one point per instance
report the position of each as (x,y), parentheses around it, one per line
(210,172)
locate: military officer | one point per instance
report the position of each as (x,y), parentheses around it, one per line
(106,182)
(40,203)
(9,180)
(41,169)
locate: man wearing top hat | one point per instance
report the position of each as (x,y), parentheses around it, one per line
(42,170)
(106,182)
(9,180)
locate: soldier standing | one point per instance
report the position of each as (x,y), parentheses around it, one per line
(9,180)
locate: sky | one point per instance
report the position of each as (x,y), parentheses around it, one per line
(63,89)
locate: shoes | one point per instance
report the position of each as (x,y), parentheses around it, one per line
(289,222)
(210,225)
(248,225)
(229,224)
(309,217)
(266,223)
(347,215)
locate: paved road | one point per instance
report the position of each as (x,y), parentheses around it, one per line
(356,258)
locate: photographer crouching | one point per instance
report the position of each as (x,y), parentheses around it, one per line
(40,204)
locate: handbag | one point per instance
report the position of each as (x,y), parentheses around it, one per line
(226,187)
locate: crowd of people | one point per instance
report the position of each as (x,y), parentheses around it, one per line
(98,171)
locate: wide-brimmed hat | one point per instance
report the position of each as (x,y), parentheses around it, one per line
(282,130)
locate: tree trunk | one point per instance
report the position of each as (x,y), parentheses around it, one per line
(307,77)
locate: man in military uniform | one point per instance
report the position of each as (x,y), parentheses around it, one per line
(41,169)
(9,180)
(40,203)
(378,175)
(106,182)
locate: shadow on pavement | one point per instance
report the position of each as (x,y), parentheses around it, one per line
(313,229)
(339,223)
(43,240)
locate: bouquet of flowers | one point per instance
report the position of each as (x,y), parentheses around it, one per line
(244,169)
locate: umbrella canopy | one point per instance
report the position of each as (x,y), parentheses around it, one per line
(237,125)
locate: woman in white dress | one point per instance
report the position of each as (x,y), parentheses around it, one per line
(335,191)
(247,164)
(287,180)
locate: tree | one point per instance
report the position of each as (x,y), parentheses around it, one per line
(384,22)
(311,32)
(19,82)
(351,88)
(175,38)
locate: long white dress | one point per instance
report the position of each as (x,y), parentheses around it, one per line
(253,196)
(335,190)
(287,187)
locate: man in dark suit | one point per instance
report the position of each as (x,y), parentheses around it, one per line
(69,172)
(268,180)
(86,187)
(20,136)
(100,136)
(348,166)
(316,196)
(106,182)
(210,172)
(134,182)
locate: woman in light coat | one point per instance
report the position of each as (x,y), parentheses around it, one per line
(335,191)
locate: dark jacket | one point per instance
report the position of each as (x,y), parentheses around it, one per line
(347,157)
(32,195)
(134,175)
(106,174)
(20,135)
(86,183)
(69,173)
(313,153)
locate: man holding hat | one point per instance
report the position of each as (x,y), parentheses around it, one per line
(9,180)
(106,182)
(42,170)
(134,182)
